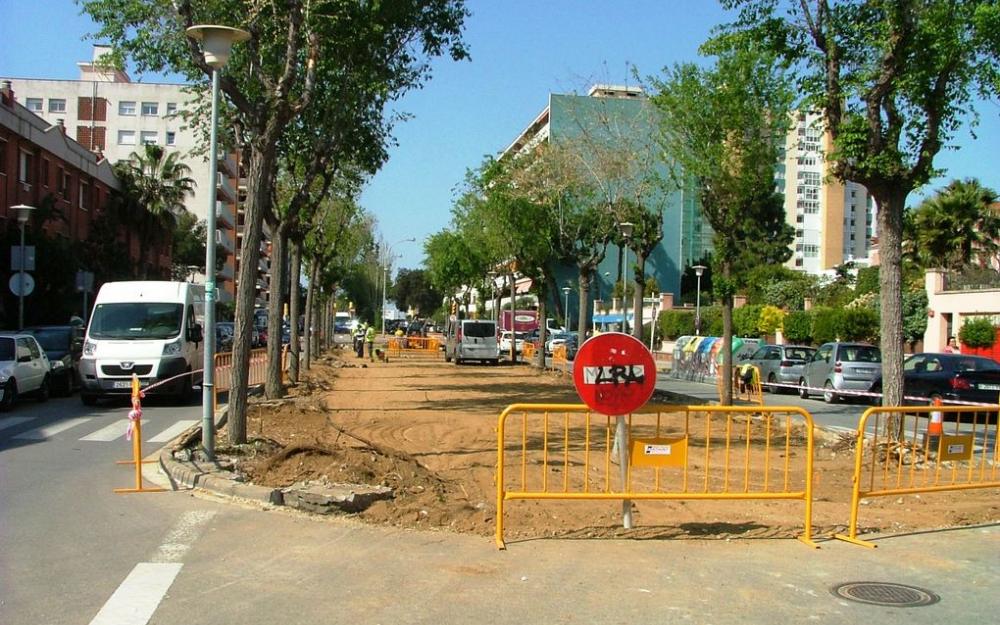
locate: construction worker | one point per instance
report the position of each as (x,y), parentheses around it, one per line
(359,340)
(370,339)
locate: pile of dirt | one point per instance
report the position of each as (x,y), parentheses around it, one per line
(427,430)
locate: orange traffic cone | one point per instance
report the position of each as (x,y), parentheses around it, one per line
(935,429)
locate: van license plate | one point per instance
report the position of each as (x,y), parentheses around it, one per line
(122,384)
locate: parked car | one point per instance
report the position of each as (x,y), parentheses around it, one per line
(956,377)
(24,368)
(63,345)
(841,367)
(781,364)
(569,339)
(225,334)
(505,338)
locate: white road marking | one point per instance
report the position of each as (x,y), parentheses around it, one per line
(173,431)
(182,535)
(42,433)
(12,421)
(135,600)
(109,433)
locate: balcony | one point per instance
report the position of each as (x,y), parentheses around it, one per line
(227,164)
(224,215)
(226,273)
(222,238)
(224,190)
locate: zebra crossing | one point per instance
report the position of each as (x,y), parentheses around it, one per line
(103,433)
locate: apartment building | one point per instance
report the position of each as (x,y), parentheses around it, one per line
(112,116)
(834,221)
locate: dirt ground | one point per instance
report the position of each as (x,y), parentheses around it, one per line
(428,430)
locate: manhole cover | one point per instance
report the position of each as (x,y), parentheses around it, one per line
(887,594)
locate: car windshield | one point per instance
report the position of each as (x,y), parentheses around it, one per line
(860,353)
(52,339)
(6,349)
(798,353)
(136,320)
(479,329)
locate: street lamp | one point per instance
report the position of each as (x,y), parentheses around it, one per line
(566,289)
(385,268)
(216,44)
(493,297)
(626,229)
(23,214)
(698,270)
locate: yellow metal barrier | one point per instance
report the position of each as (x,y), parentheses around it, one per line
(909,450)
(564,452)
(559,356)
(413,346)
(751,391)
(528,350)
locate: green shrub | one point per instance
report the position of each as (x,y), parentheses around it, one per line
(674,323)
(825,324)
(978,332)
(711,320)
(867,281)
(858,324)
(746,320)
(798,327)
(771,319)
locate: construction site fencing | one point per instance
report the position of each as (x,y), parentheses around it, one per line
(560,358)
(528,350)
(257,373)
(567,452)
(911,450)
(746,385)
(413,346)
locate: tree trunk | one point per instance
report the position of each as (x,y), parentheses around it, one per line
(542,330)
(513,314)
(727,343)
(273,388)
(890,230)
(310,315)
(638,278)
(584,303)
(295,268)
(260,180)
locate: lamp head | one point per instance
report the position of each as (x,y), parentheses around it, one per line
(566,290)
(23,212)
(626,228)
(217,41)
(699,270)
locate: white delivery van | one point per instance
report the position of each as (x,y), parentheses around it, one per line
(471,339)
(151,329)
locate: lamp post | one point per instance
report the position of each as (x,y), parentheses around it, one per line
(23,214)
(626,229)
(566,290)
(385,270)
(216,43)
(493,287)
(698,270)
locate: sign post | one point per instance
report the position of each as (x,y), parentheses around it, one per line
(615,374)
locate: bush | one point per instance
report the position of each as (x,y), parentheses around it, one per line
(771,319)
(798,327)
(867,282)
(711,320)
(825,324)
(858,324)
(674,323)
(746,320)
(978,332)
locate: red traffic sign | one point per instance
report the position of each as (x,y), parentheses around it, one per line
(614,373)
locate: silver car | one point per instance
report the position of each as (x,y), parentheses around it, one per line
(781,364)
(841,367)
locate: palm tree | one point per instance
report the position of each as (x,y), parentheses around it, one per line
(955,228)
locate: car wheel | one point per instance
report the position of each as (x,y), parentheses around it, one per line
(829,396)
(803,393)
(184,395)
(9,396)
(42,394)
(88,399)
(772,380)
(447,358)
(66,385)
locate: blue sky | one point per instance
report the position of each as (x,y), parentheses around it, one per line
(521,51)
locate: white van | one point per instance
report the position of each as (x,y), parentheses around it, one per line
(471,339)
(151,329)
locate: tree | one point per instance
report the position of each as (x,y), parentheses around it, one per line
(797,327)
(414,290)
(893,81)
(978,332)
(724,126)
(954,228)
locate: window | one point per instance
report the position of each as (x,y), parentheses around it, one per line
(62,182)
(34,104)
(148,136)
(24,167)
(3,159)
(57,105)
(811,251)
(810,178)
(84,200)
(45,172)
(126,108)
(171,108)
(171,137)
(150,108)
(799,262)
(126,137)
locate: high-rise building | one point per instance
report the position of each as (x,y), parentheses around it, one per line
(112,116)
(834,221)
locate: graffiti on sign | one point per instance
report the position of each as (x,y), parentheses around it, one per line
(615,374)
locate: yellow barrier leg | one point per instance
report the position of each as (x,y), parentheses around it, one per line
(136,415)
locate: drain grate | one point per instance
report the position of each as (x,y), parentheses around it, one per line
(885,594)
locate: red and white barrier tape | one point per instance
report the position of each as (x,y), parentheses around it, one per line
(819,391)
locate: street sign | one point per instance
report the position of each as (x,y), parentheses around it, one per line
(22,286)
(15,258)
(85,281)
(614,373)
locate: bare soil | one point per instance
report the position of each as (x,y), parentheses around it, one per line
(428,430)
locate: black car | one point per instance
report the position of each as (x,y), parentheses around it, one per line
(63,345)
(955,377)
